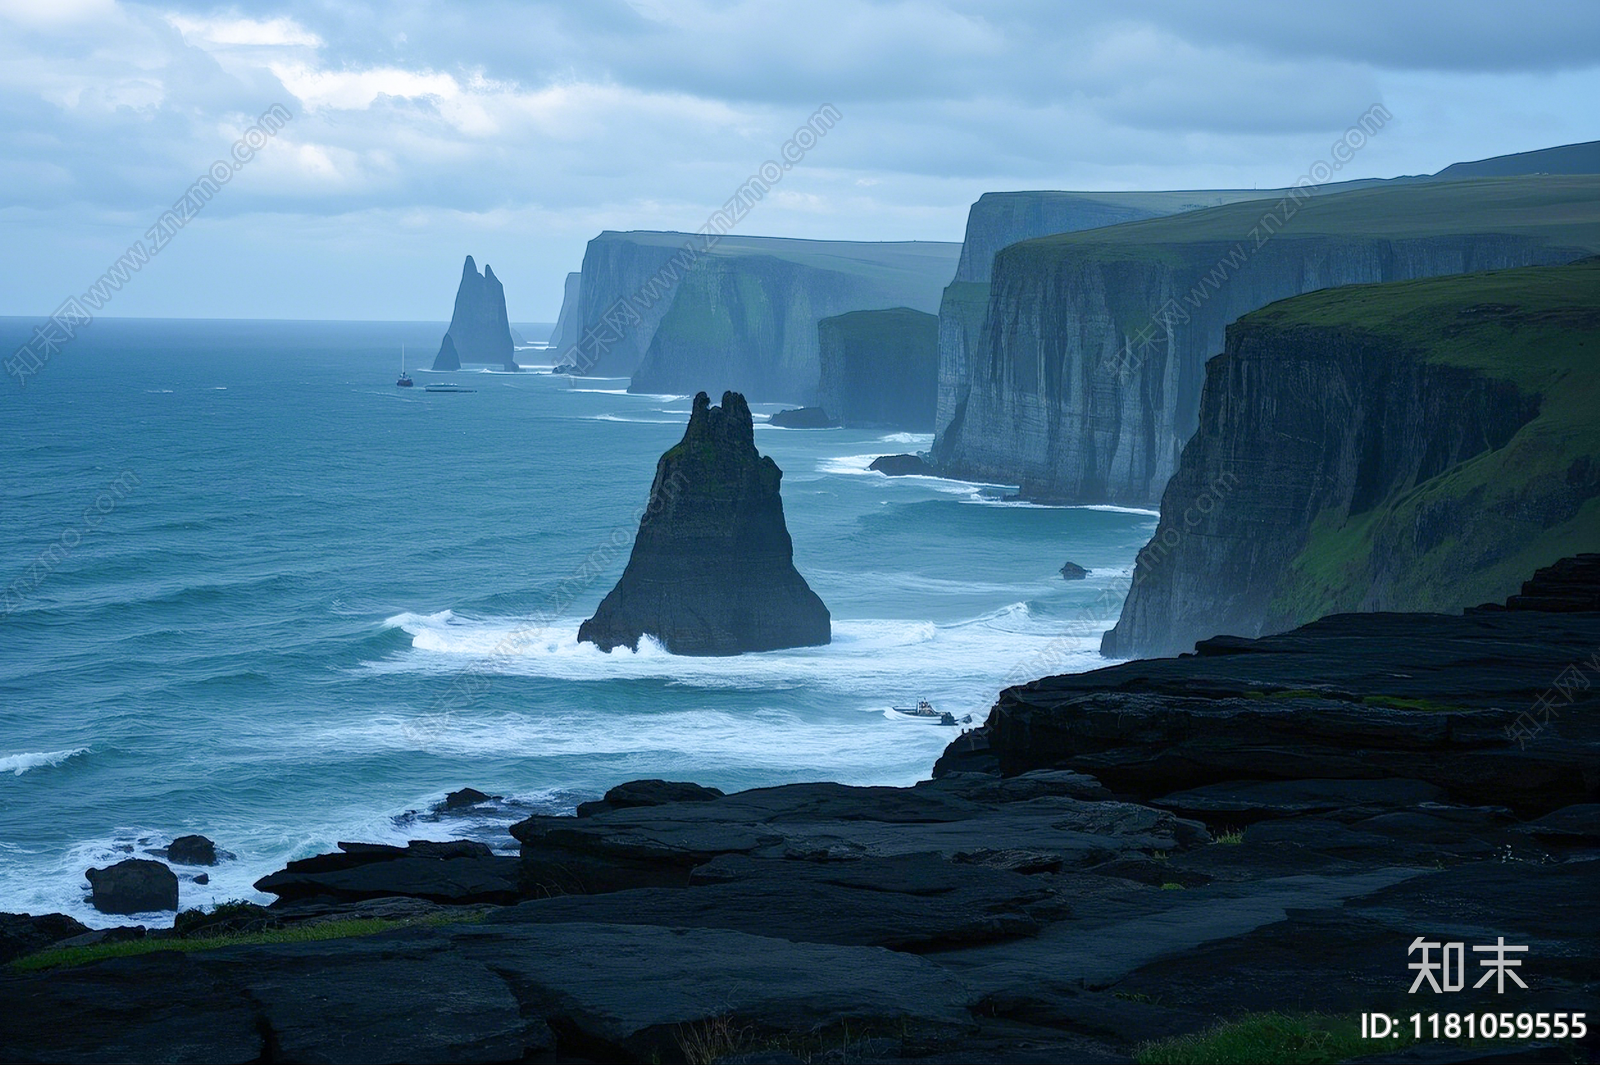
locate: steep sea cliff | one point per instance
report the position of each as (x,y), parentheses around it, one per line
(1413,446)
(1090,385)
(999,219)
(880,369)
(680,317)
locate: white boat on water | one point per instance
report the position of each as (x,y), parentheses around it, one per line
(924,711)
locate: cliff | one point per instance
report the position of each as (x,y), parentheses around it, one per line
(1091,388)
(660,308)
(479,330)
(880,369)
(565,336)
(1000,219)
(1413,446)
(712,569)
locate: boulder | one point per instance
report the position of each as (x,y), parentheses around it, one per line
(134,885)
(22,933)
(902,466)
(712,569)
(464,799)
(1071,571)
(648,793)
(803,418)
(192,850)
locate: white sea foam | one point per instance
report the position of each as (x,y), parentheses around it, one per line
(963,661)
(907,438)
(18,764)
(635,421)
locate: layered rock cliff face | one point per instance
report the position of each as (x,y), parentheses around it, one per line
(748,309)
(565,336)
(1417,446)
(1000,219)
(479,330)
(1087,380)
(880,369)
(712,570)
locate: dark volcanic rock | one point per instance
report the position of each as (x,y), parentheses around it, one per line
(135,885)
(712,570)
(1450,701)
(669,845)
(803,418)
(22,933)
(464,799)
(908,902)
(192,850)
(648,793)
(1073,572)
(154,1007)
(479,330)
(902,466)
(453,872)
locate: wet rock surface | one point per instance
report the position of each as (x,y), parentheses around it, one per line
(134,885)
(902,466)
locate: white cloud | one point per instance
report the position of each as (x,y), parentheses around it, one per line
(226,31)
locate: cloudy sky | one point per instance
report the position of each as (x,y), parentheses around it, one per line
(517,131)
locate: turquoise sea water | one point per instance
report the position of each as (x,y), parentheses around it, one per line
(258,592)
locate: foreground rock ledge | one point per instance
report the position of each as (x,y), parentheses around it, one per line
(712,569)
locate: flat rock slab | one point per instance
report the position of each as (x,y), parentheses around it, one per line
(155,1007)
(445,880)
(394,997)
(1346,958)
(630,992)
(1096,952)
(1257,799)
(658,846)
(912,903)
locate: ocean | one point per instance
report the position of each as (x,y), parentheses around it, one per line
(254,590)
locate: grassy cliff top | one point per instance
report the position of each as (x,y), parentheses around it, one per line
(920,259)
(1527,325)
(892,317)
(1559,210)
(1536,327)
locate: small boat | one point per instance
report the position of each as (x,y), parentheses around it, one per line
(446,386)
(924,710)
(405,378)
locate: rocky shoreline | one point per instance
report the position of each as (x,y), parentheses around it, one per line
(1115,858)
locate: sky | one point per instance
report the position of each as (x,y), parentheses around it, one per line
(515,132)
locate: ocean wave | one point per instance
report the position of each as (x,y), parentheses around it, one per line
(635,421)
(866,654)
(906,438)
(18,764)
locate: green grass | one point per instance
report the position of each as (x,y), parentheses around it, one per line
(1230,839)
(1172,885)
(1268,1039)
(1537,328)
(300,933)
(1556,209)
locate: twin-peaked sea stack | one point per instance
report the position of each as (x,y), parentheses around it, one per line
(712,570)
(479,329)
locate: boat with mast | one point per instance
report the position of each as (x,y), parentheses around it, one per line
(405,378)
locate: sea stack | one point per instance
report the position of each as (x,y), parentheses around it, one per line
(712,570)
(479,330)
